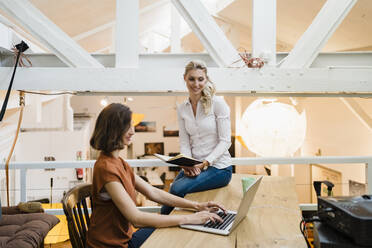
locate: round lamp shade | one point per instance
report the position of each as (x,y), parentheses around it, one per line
(270,128)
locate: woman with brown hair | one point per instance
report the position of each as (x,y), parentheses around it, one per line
(204,130)
(115,185)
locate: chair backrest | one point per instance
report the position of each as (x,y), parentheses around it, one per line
(75,206)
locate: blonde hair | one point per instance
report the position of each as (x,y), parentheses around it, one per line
(209,88)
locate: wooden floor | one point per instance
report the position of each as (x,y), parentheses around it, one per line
(59,233)
(65,244)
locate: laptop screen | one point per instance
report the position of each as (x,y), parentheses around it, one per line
(246,202)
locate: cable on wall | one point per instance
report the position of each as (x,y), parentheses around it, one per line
(22,105)
(49,94)
(19,49)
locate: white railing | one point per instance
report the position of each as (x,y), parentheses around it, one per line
(247,161)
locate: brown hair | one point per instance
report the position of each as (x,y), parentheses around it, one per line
(209,88)
(112,123)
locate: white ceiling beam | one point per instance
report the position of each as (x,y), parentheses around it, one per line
(318,33)
(5,37)
(337,60)
(264,30)
(208,32)
(22,33)
(33,48)
(232,32)
(127,39)
(39,26)
(141,81)
(175,38)
(358,111)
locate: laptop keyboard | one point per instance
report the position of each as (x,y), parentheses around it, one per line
(227,219)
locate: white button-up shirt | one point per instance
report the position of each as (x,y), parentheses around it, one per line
(206,137)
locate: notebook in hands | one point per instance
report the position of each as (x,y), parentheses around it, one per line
(180,159)
(231,219)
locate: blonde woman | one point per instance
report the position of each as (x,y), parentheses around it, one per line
(204,129)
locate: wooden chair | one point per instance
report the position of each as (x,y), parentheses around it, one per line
(76,210)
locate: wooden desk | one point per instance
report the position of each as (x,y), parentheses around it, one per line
(272,221)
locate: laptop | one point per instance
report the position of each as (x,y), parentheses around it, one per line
(231,219)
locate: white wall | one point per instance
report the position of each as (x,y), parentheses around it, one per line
(49,114)
(337,132)
(332,128)
(46,135)
(62,145)
(162,110)
(335,128)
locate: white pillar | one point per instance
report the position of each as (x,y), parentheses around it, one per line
(126,44)
(238,117)
(369,177)
(36,108)
(68,119)
(175,38)
(264,30)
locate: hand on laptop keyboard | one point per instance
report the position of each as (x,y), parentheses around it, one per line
(210,206)
(220,213)
(226,220)
(202,217)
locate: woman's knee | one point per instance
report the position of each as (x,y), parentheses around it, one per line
(228,176)
(224,177)
(178,189)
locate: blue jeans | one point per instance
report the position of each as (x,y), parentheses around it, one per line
(212,178)
(140,236)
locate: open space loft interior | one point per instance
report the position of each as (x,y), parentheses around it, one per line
(295,74)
